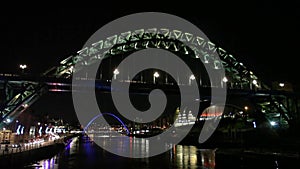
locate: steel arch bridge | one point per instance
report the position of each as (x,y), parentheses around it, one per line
(237,76)
(109,114)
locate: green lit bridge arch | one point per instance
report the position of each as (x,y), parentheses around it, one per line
(173,40)
(237,75)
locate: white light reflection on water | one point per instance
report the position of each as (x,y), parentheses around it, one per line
(45,164)
(180,156)
(136,147)
(86,154)
(53,163)
(191,157)
(89,154)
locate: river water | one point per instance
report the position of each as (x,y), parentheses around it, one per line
(83,154)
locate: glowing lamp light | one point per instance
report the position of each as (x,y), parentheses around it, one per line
(273,123)
(254,124)
(192,77)
(254,82)
(225,79)
(156,74)
(23,66)
(281,84)
(116,72)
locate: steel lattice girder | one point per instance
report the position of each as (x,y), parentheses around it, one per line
(172,40)
(157,38)
(30,92)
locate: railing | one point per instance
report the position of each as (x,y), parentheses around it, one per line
(29,146)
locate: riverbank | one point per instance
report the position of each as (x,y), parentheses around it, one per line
(18,159)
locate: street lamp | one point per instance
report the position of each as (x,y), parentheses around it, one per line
(281,84)
(254,82)
(192,77)
(22,67)
(225,80)
(116,72)
(8,120)
(155,75)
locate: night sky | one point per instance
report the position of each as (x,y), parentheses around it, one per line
(264,36)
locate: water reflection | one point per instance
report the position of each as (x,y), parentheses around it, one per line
(129,146)
(54,162)
(192,157)
(83,153)
(45,164)
(86,153)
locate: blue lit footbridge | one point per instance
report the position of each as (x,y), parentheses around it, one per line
(200,54)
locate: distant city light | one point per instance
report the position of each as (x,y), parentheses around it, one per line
(47,130)
(22,130)
(18,130)
(71,68)
(246,107)
(40,131)
(8,120)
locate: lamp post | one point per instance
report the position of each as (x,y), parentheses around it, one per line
(116,72)
(23,67)
(224,81)
(192,77)
(155,75)
(281,84)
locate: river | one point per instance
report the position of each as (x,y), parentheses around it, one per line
(83,154)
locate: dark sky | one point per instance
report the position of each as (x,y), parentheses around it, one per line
(264,36)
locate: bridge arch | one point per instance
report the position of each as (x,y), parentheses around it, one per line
(160,37)
(109,114)
(196,46)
